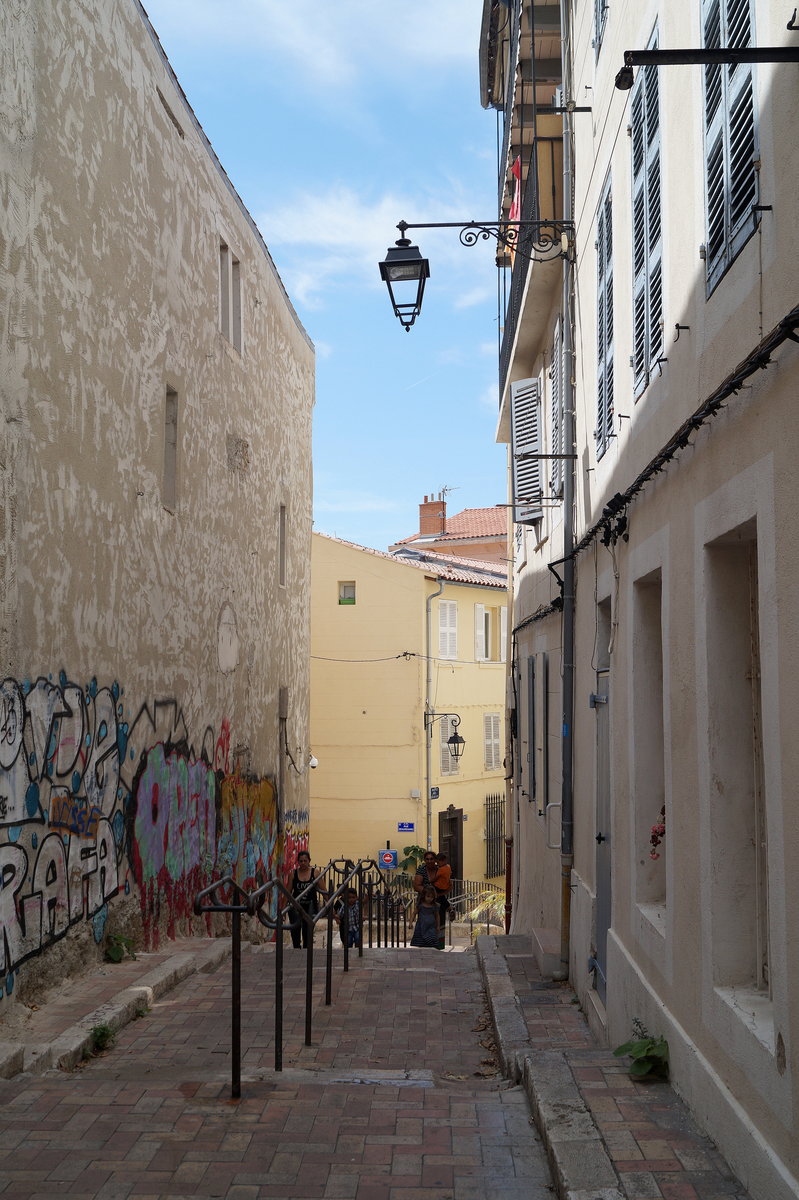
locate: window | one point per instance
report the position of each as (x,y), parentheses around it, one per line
(169,481)
(604,321)
(346,593)
(482,633)
(647,239)
(281,546)
(738,828)
(525,450)
(494,813)
(492,754)
(731,151)
(447,629)
(449,764)
(600,19)
(229,295)
(490,633)
(556,413)
(649,733)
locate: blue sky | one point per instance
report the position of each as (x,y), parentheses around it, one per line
(334,121)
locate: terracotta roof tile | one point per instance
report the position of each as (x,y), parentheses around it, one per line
(443,566)
(468,524)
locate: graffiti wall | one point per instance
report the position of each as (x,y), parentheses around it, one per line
(94,806)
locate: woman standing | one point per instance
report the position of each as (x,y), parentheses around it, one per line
(304,874)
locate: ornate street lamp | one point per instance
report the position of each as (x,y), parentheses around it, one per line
(455,743)
(536,241)
(404,266)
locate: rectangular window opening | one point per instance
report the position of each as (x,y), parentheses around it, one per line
(229,296)
(169,482)
(282,550)
(346,592)
(649,791)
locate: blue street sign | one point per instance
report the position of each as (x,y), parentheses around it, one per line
(405,826)
(387,859)
(434,793)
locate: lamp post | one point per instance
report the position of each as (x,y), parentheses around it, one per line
(404,265)
(455,745)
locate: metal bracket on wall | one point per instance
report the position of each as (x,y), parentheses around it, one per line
(594,701)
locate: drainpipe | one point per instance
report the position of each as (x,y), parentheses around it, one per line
(428,707)
(567,746)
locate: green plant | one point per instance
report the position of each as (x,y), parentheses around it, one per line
(489,906)
(103,1038)
(117,947)
(650,1055)
(414,856)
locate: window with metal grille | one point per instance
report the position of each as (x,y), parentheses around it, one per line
(494,816)
(604,321)
(647,232)
(731,150)
(556,413)
(526,449)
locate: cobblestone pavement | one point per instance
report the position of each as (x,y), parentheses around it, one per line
(608,1136)
(399,1097)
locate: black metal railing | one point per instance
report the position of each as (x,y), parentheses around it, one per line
(383,915)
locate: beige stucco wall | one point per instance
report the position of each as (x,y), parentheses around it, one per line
(145,644)
(682,925)
(367,705)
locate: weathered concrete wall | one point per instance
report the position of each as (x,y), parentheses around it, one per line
(144,637)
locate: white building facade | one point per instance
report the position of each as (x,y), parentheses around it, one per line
(648,380)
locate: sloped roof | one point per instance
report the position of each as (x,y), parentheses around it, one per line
(449,567)
(467,525)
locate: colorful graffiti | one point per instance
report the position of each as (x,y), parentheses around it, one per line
(92,805)
(60,809)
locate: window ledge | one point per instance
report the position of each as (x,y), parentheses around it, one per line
(655,914)
(755,1009)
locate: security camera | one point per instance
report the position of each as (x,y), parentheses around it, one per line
(313,763)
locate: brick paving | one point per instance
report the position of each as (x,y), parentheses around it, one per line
(398,1097)
(654,1145)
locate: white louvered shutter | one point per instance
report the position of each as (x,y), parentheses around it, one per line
(556,412)
(525,443)
(448,764)
(503,637)
(604,334)
(480,647)
(647,231)
(491,748)
(447,629)
(731,152)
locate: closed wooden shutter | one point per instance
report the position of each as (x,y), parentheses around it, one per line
(556,412)
(491,746)
(604,338)
(447,629)
(647,228)
(525,445)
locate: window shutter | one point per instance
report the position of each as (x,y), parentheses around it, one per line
(731,151)
(447,629)
(556,438)
(448,764)
(647,231)
(480,648)
(503,635)
(491,747)
(604,413)
(526,440)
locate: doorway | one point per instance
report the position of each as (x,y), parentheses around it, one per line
(450,838)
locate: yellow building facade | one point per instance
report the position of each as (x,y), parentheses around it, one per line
(401,645)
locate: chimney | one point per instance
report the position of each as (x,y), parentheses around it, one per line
(433,516)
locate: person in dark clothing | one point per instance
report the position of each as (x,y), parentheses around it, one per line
(305,874)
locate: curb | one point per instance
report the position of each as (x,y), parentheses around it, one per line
(76,1042)
(581,1166)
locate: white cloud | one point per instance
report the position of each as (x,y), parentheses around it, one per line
(338,235)
(328,44)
